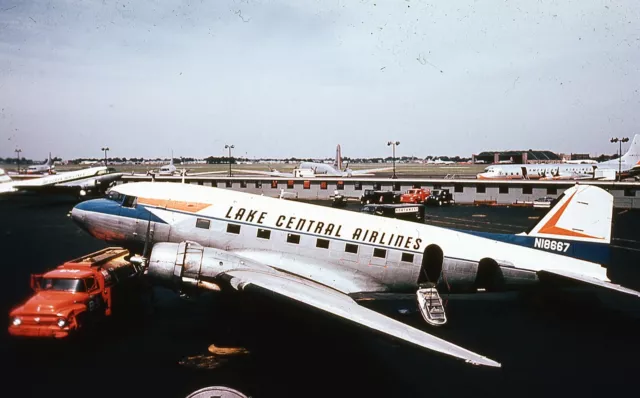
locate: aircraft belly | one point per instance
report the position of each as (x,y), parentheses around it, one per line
(458,274)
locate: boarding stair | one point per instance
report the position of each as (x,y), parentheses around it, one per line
(431,307)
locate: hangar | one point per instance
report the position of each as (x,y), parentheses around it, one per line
(518,157)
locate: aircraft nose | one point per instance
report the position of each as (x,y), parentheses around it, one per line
(78,216)
(81,212)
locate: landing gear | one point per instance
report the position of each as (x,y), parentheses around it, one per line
(430,305)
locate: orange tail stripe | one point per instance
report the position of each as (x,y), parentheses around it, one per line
(551,228)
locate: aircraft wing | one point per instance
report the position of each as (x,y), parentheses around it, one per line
(592,281)
(207,172)
(266,173)
(339,304)
(369,171)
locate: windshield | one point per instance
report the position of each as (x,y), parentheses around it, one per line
(116,196)
(64,284)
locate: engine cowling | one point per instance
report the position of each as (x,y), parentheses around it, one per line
(188,266)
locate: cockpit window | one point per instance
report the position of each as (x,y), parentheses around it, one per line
(115,196)
(129,201)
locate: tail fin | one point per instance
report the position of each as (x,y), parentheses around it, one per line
(632,156)
(338,161)
(4,177)
(582,213)
(578,225)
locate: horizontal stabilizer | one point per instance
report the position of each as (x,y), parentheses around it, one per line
(336,303)
(593,281)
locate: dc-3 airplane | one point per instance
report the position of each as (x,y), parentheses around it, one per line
(94,181)
(217,239)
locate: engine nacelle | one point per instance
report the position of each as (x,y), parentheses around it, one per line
(190,266)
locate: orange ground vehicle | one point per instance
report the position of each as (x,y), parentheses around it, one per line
(415,195)
(73,294)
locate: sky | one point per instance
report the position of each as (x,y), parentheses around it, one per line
(294,78)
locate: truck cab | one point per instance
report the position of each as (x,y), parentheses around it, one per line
(66,298)
(415,195)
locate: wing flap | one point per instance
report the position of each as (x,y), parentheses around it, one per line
(341,305)
(593,281)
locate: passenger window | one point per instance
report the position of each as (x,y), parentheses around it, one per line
(323,185)
(552,191)
(264,233)
(340,185)
(203,223)
(243,184)
(379,253)
(290,184)
(503,189)
(407,257)
(228,184)
(322,243)
(357,186)
(258,184)
(481,189)
(351,248)
(293,238)
(233,228)
(527,190)
(274,184)
(129,201)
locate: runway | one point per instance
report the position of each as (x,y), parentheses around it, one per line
(569,347)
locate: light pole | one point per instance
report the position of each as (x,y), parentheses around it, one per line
(105,149)
(229,146)
(17,151)
(619,140)
(394,143)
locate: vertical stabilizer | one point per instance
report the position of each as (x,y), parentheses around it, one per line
(582,213)
(4,177)
(632,156)
(338,162)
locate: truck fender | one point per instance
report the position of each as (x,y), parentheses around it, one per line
(73,313)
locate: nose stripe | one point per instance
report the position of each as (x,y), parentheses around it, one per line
(106,206)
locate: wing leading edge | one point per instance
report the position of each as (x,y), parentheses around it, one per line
(336,303)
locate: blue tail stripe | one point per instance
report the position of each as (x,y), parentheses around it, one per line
(599,253)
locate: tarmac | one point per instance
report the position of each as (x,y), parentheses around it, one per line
(571,344)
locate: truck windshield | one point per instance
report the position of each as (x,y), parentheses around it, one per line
(63,284)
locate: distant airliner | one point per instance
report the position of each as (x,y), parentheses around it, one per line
(212,238)
(46,167)
(314,169)
(569,171)
(84,182)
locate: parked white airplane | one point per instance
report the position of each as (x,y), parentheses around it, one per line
(91,181)
(567,171)
(326,258)
(169,169)
(46,167)
(314,169)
